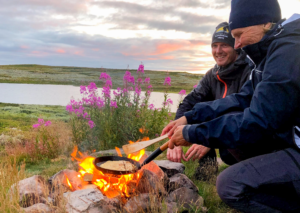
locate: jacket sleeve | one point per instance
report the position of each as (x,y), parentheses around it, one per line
(274,106)
(207,111)
(201,93)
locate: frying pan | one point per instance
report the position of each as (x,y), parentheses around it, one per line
(100,160)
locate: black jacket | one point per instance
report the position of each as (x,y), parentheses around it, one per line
(269,102)
(217,83)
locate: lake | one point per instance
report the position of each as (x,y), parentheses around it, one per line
(43,94)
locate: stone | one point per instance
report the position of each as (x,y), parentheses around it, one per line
(180,180)
(153,167)
(149,182)
(91,201)
(186,199)
(169,167)
(143,203)
(32,190)
(38,208)
(60,179)
(172,207)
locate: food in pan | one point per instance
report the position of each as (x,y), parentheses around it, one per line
(120,165)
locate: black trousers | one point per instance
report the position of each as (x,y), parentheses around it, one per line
(265,183)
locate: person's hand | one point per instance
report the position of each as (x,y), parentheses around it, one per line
(177,138)
(198,151)
(175,154)
(170,128)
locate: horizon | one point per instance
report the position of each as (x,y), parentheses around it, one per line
(172,36)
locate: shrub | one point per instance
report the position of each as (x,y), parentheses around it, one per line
(105,121)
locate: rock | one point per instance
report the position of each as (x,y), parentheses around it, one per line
(172,207)
(143,203)
(180,180)
(149,182)
(60,179)
(153,167)
(32,190)
(186,199)
(38,208)
(169,167)
(91,201)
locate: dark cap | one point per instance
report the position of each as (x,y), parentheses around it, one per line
(245,13)
(223,34)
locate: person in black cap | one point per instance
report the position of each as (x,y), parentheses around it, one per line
(267,128)
(226,77)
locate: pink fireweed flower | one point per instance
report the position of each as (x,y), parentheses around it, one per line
(141,69)
(167,81)
(140,80)
(104,75)
(168,102)
(151,106)
(147,80)
(69,108)
(195,86)
(83,89)
(91,124)
(106,92)
(48,123)
(138,91)
(40,120)
(36,126)
(108,83)
(92,87)
(138,110)
(113,104)
(182,92)
(150,86)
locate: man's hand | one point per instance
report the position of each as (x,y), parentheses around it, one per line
(198,151)
(177,138)
(176,154)
(170,128)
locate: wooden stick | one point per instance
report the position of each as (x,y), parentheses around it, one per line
(131,148)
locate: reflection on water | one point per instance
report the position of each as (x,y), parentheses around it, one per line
(42,94)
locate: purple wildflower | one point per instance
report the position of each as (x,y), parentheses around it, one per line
(108,83)
(138,91)
(195,86)
(36,126)
(182,92)
(113,104)
(104,75)
(147,80)
(83,89)
(150,86)
(48,123)
(167,81)
(40,120)
(151,106)
(92,87)
(106,92)
(140,80)
(69,108)
(91,124)
(141,69)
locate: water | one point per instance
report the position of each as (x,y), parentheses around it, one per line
(41,94)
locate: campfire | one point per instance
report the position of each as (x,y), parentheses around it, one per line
(110,185)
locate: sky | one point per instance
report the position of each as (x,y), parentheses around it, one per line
(169,35)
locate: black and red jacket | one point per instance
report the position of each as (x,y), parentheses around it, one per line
(217,83)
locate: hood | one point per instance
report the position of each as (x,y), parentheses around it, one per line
(230,72)
(283,28)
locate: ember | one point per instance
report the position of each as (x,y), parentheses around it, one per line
(110,185)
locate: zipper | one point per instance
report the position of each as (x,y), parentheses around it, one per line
(225,92)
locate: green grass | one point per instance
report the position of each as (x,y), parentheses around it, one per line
(40,74)
(22,116)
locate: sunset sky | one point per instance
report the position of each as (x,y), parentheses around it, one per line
(172,35)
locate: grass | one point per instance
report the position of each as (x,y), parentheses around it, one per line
(40,74)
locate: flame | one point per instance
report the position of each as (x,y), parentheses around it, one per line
(68,182)
(110,185)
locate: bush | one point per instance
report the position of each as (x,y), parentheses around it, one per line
(105,121)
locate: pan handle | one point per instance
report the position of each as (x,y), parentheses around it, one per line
(156,153)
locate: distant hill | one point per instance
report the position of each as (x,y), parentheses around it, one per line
(63,75)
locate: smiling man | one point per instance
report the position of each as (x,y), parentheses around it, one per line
(226,77)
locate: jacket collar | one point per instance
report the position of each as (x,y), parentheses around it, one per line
(258,51)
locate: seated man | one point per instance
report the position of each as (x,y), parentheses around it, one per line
(226,77)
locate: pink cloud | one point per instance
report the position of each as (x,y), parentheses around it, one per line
(24,47)
(61,51)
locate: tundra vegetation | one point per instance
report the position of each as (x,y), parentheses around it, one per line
(38,140)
